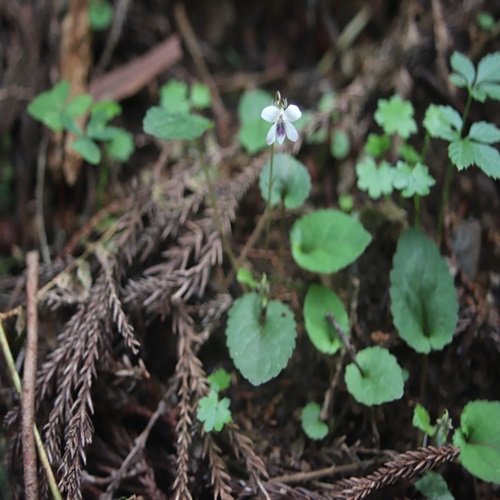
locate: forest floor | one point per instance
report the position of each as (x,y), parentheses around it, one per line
(135,284)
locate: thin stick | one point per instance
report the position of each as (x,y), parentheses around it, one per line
(40,219)
(29,374)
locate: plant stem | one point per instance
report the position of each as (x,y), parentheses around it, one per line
(268,201)
(213,203)
(416,201)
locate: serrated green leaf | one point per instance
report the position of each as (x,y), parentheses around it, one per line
(260,351)
(461,153)
(174,97)
(423,299)
(220,380)
(121,145)
(311,423)
(412,181)
(88,149)
(487,89)
(200,96)
(319,301)
(484,132)
(340,145)
(433,487)
(291,181)
(382,378)
(377,145)
(443,122)
(325,241)
(48,106)
(479,439)
(422,420)
(164,125)
(487,158)
(213,413)
(395,116)
(463,67)
(488,69)
(376,180)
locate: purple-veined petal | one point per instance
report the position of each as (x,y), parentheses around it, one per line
(271,135)
(292,113)
(270,114)
(291,132)
(281,130)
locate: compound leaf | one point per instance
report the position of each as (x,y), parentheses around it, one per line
(412,181)
(395,116)
(214,413)
(442,122)
(465,71)
(376,180)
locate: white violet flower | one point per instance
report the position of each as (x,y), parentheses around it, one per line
(281,115)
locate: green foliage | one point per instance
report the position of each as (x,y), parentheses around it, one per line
(423,299)
(176,97)
(319,301)
(377,144)
(325,241)
(311,424)
(381,380)
(165,125)
(291,181)
(213,412)
(422,420)
(200,96)
(373,178)
(100,14)
(244,276)
(479,439)
(220,380)
(411,181)
(485,20)
(346,203)
(433,487)
(260,340)
(253,131)
(395,116)
(340,145)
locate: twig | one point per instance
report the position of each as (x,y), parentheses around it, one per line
(16,382)
(29,374)
(40,220)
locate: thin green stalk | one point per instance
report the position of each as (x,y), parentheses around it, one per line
(268,201)
(416,202)
(16,381)
(213,203)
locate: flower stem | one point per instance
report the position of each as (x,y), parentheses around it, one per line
(213,203)
(268,201)
(416,201)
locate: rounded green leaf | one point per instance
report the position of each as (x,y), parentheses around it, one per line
(200,96)
(423,299)
(48,106)
(325,241)
(464,67)
(164,125)
(89,150)
(340,145)
(100,14)
(173,97)
(382,379)
(260,347)
(291,181)
(121,146)
(311,423)
(254,129)
(434,487)
(479,439)
(319,301)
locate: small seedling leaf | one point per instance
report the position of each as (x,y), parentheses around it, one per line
(487,158)
(484,132)
(433,487)
(88,149)
(443,122)
(174,98)
(260,347)
(254,129)
(291,181)
(485,20)
(200,96)
(121,145)
(220,380)
(479,439)
(48,106)
(377,145)
(382,378)
(464,70)
(164,125)
(488,69)
(245,277)
(411,181)
(340,145)
(311,423)
(395,116)
(408,153)
(325,241)
(213,413)
(79,105)
(423,299)
(377,180)
(422,420)
(100,14)
(461,153)
(319,301)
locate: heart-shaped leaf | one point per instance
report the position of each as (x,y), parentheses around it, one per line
(311,423)
(260,347)
(423,299)
(164,125)
(325,241)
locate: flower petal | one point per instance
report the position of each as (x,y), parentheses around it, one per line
(291,132)
(271,135)
(270,114)
(292,113)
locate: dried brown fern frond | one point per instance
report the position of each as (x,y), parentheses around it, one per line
(404,466)
(219,477)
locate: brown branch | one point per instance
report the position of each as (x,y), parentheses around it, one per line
(29,375)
